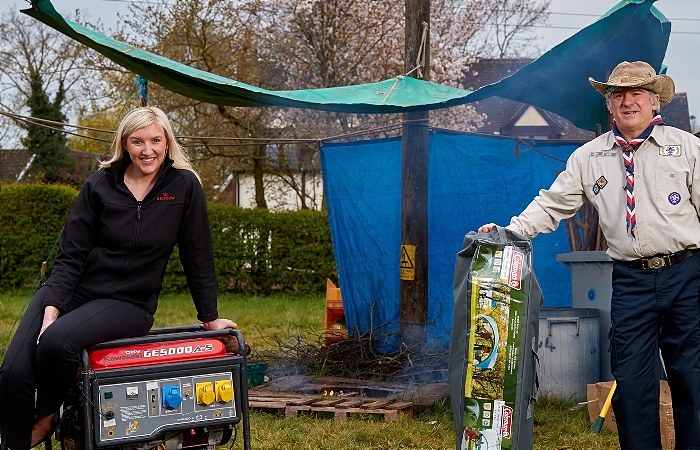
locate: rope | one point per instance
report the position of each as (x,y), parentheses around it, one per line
(392,88)
(39,121)
(252,140)
(246,141)
(43,123)
(142,84)
(242,141)
(518,141)
(532,147)
(420,59)
(363,133)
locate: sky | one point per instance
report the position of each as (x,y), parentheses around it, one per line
(682,58)
(566,18)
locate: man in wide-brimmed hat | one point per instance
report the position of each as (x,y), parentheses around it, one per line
(643,177)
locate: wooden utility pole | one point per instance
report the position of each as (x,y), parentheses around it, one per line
(413,306)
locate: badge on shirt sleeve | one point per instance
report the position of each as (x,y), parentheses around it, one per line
(671,150)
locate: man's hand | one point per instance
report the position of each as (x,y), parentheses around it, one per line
(50,316)
(486,228)
(219,324)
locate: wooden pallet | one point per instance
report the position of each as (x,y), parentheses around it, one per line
(417,394)
(291,405)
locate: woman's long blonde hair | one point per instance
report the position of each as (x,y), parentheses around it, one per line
(140,118)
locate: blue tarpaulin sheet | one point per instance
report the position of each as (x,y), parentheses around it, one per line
(472,180)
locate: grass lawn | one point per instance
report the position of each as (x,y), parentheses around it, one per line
(557,425)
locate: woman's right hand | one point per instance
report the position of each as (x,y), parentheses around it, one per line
(50,316)
(219,324)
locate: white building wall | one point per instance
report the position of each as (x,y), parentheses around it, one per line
(279,196)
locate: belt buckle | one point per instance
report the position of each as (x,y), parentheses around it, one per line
(656,262)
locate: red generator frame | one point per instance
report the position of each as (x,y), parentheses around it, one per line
(175,388)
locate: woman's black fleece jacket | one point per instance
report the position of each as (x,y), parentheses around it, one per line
(116,247)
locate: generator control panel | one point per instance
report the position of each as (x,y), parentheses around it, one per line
(139,409)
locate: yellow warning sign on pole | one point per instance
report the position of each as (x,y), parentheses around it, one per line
(408,262)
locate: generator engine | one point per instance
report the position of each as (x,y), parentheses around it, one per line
(176,388)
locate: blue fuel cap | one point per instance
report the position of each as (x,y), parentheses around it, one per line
(171,397)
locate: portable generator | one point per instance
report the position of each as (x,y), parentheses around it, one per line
(175,388)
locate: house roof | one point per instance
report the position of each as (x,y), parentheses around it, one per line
(677,112)
(12,163)
(15,161)
(501,112)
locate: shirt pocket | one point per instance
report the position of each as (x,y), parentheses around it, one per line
(671,191)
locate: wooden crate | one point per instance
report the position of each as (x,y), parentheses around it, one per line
(333,330)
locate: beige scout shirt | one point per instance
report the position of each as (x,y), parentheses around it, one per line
(666,191)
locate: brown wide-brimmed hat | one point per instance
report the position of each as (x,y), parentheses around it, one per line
(638,74)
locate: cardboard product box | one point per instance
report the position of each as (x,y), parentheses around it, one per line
(598,393)
(493,347)
(668,433)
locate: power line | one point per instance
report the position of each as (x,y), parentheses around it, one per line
(143,2)
(685,32)
(598,15)
(146,2)
(561,13)
(551,27)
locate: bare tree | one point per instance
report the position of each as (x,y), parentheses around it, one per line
(6,126)
(509,27)
(30,51)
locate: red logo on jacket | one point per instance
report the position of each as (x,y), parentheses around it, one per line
(165,197)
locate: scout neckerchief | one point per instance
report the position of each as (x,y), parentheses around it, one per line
(628,149)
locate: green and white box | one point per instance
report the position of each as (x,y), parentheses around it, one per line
(495,334)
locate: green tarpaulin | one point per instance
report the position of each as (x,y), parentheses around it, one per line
(557,81)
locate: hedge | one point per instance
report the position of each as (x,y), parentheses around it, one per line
(31,219)
(255,251)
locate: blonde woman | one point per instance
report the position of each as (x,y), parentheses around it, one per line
(109,270)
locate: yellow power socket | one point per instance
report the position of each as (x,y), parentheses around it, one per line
(224,391)
(205,393)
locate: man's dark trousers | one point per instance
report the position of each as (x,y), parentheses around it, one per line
(652,309)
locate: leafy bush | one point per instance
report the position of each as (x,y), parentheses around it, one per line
(256,251)
(241,248)
(31,219)
(301,252)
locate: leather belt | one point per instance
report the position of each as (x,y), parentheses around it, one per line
(659,261)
